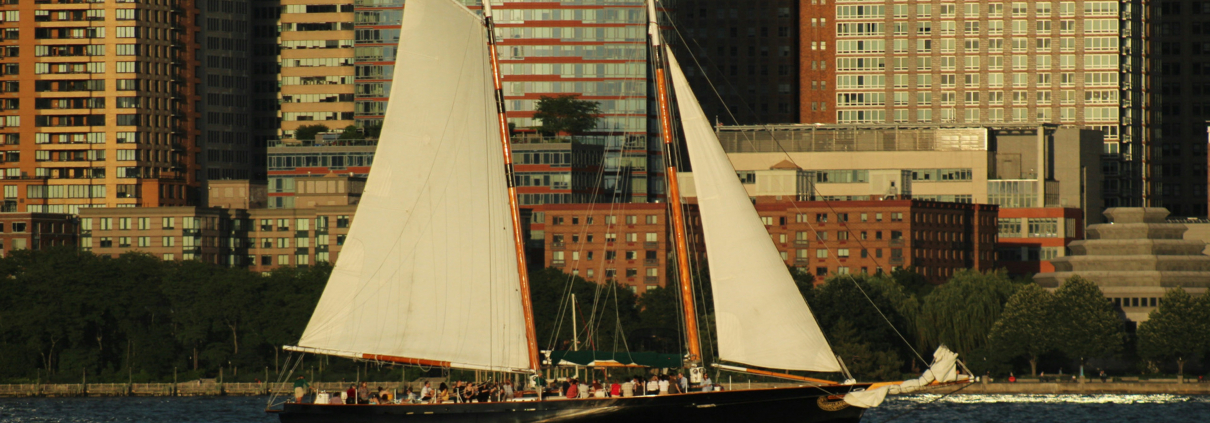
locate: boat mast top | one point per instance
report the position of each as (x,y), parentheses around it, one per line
(674,191)
(531,336)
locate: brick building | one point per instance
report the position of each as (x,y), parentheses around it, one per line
(626,243)
(36,231)
(936,239)
(258,239)
(1030,238)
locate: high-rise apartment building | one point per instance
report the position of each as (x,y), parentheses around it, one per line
(597,52)
(316,64)
(749,53)
(99,104)
(377,39)
(1079,63)
(1181,72)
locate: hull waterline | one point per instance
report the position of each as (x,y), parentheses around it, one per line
(799,404)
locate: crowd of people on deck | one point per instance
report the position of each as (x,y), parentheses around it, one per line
(634,387)
(481,392)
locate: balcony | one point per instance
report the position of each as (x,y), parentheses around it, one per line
(897,242)
(651,262)
(651,279)
(651,245)
(801,242)
(897,260)
(554,263)
(557,245)
(802,261)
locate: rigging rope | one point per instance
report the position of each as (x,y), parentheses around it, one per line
(814,189)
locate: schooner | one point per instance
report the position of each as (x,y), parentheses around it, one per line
(433,272)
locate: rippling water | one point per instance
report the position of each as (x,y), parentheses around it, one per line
(924,408)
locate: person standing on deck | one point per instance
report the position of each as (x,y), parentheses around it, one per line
(615,389)
(300,389)
(682,382)
(628,388)
(583,391)
(707,384)
(663,385)
(653,386)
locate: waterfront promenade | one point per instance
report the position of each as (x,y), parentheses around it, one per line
(195,388)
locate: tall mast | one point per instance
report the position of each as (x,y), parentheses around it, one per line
(527,305)
(674,190)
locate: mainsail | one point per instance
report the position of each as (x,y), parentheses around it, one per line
(428,272)
(762,318)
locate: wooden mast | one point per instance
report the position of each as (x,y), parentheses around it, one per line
(674,190)
(531,336)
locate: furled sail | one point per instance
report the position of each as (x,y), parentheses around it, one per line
(762,318)
(429,269)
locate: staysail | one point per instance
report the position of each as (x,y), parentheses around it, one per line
(762,318)
(428,272)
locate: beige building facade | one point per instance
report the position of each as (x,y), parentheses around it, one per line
(1073,63)
(316,43)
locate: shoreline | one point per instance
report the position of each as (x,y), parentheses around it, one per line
(192,389)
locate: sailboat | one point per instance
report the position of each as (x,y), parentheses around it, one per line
(433,273)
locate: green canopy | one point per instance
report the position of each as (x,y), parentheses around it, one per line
(615,359)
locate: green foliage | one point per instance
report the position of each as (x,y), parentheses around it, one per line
(1179,329)
(566,114)
(66,313)
(961,313)
(839,306)
(864,361)
(600,311)
(1086,321)
(308,132)
(351,132)
(1027,326)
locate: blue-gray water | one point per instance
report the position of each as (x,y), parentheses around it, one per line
(922,409)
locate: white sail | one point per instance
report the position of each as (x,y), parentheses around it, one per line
(429,268)
(762,318)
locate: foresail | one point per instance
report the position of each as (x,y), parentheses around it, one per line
(761,317)
(428,271)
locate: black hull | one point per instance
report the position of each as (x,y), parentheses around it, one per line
(791,405)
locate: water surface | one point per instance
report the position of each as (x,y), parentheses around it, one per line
(914,409)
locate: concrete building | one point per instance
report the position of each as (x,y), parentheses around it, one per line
(749,51)
(237,194)
(1079,63)
(1135,260)
(99,105)
(36,231)
(317,72)
(1010,166)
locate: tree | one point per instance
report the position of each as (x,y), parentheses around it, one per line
(1087,323)
(1027,325)
(351,132)
(1179,329)
(863,361)
(960,314)
(566,114)
(308,132)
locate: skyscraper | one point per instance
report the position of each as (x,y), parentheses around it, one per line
(749,53)
(1182,82)
(225,38)
(99,104)
(1080,63)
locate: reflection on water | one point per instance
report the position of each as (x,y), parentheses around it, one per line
(919,408)
(1043,408)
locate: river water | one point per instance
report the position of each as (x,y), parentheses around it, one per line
(922,409)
